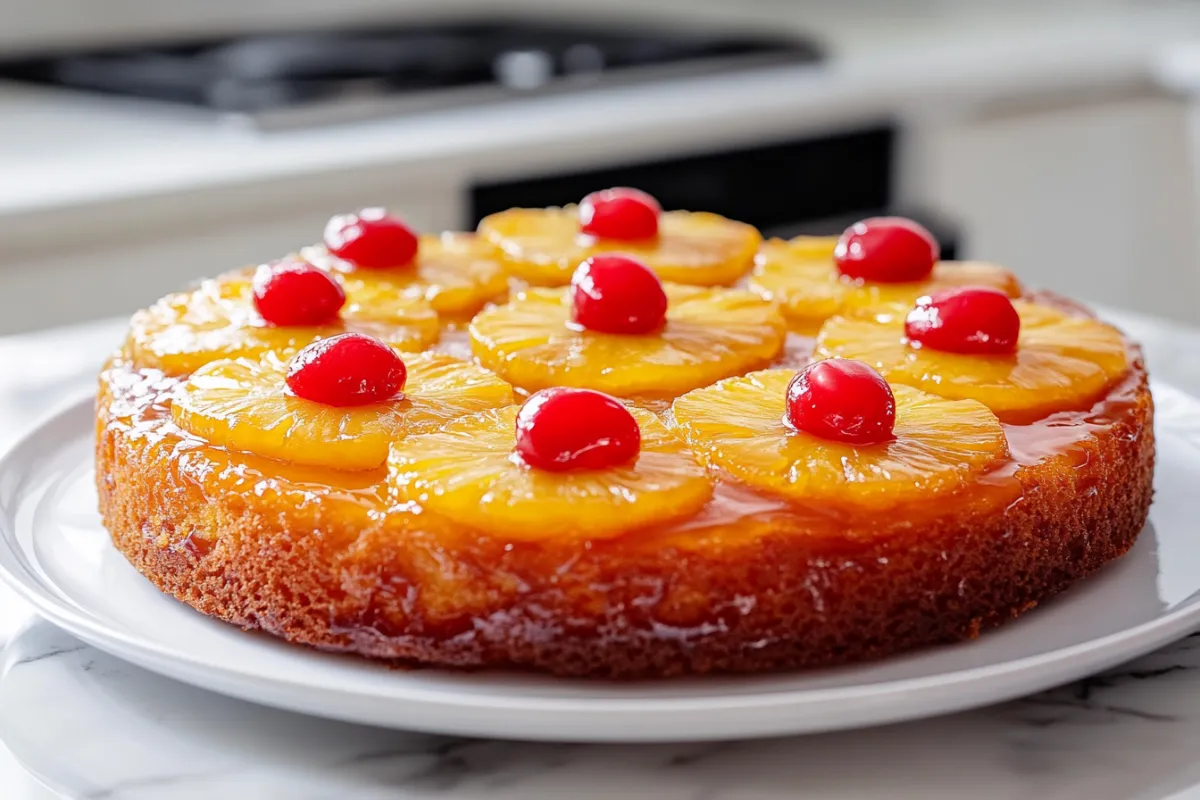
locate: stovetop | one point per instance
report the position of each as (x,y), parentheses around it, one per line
(294,79)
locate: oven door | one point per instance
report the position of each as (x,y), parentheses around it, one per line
(814,185)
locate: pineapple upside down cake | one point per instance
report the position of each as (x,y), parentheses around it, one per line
(611,440)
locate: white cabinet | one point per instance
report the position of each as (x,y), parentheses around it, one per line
(106,260)
(1096,199)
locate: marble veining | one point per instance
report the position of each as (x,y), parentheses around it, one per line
(94,727)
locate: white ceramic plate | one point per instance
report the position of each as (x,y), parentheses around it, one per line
(54,551)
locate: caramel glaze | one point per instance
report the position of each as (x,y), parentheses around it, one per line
(751,583)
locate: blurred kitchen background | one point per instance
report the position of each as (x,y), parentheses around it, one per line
(144,143)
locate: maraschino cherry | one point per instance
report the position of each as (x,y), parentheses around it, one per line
(371,238)
(843,400)
(970,320)
(350,369)
(296,293)
(617,294)
(620,213)
(886,250)
(576,429)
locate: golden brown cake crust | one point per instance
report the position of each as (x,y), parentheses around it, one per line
(766,593)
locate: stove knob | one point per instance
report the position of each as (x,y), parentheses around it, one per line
(524,69)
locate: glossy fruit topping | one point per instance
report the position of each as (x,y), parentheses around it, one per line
(618,294)
(296,293)
(886,250)
(350,369)
(468,472)
(800,274)
(576,429)
(626,214)
(971,320)
(710,334)
(842,400)
(218,319)
(245,405)
(936,447)
(371,238)
(544,246)
(1062,361)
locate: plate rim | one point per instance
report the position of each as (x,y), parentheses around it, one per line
(1043,670)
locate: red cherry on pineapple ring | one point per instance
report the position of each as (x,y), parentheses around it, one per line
(843,400)
(617,294)
(886,250)
(576,429)
(296,293)
(350,369)
(371,238)
(619,213)
(967,319)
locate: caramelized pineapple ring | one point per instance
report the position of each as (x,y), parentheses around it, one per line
(709,334)
(456,273)
(467,473)
(1061,363)
(544,246)
(939,446)
(184,331)
(801,275)
(244,405)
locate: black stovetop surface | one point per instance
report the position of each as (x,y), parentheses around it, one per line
(477,61)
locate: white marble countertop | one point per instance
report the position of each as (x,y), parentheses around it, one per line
(93,727)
